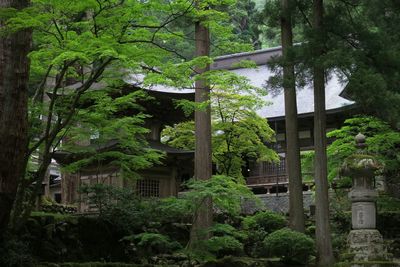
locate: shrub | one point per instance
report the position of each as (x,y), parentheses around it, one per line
(15,253)
(173,209)
(267,220)
(149,244)
(257,228)
(386,203)
(290,246)
(88,264)
(222,246)
(310,230)
(61,237)
(228,230)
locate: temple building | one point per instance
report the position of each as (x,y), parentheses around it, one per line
(264,178)
(161,180)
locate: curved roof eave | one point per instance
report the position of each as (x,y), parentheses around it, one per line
(258,77)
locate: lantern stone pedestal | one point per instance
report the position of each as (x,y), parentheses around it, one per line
(367,245)
(364,240)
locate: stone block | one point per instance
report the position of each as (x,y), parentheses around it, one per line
(367,245)
(363,215)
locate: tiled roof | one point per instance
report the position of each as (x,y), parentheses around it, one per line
(305,97)
(258,77)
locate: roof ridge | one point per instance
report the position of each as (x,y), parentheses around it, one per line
(249,53)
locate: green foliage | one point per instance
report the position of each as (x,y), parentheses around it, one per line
(115,139)
(381,139)
(245,22)
(366,263)
(227,193)
(133,215)
(226,240)
(266,220)
(387,203)
(174,209)
(257,227)
(150,244)
(290,246)
(14,253)
(237,131)
(121,207)
(219,229)
(164,216)
(88,264)
(56,237)
(83,55)
(181,135)
(224,245)
(307,165)
(372,76)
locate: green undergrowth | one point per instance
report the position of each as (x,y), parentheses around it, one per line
(89,264)
(388,203)
(231,261)
(224,262)
(367,264)
(55,216)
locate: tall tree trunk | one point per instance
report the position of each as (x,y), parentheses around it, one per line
(296,214)
(203,161)
(14,74)
(323,237)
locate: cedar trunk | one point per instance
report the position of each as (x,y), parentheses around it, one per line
(323,237)
(202,158)
(14,74)
(296,214)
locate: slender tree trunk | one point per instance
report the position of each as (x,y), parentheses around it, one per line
(14,74)
(323,237)
(296,213)
(25,202)
(203,162)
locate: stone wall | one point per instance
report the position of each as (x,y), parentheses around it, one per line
(278,203)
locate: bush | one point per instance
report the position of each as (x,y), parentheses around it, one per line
(61,237)
(386,203)
(15,253)
(267,220)
(228,230)
(290,246)
(150,244)
(257,227)
(88,264)
(222,246)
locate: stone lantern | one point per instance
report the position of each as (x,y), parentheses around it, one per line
(364,240)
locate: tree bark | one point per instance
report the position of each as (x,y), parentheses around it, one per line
(323,237)
(14,74)
(296,213)
(202,158)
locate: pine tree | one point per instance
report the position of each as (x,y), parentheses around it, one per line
(202,158)
(323,238)
(296,214)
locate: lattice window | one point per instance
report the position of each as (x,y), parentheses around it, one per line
(274,169)
(148,188)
